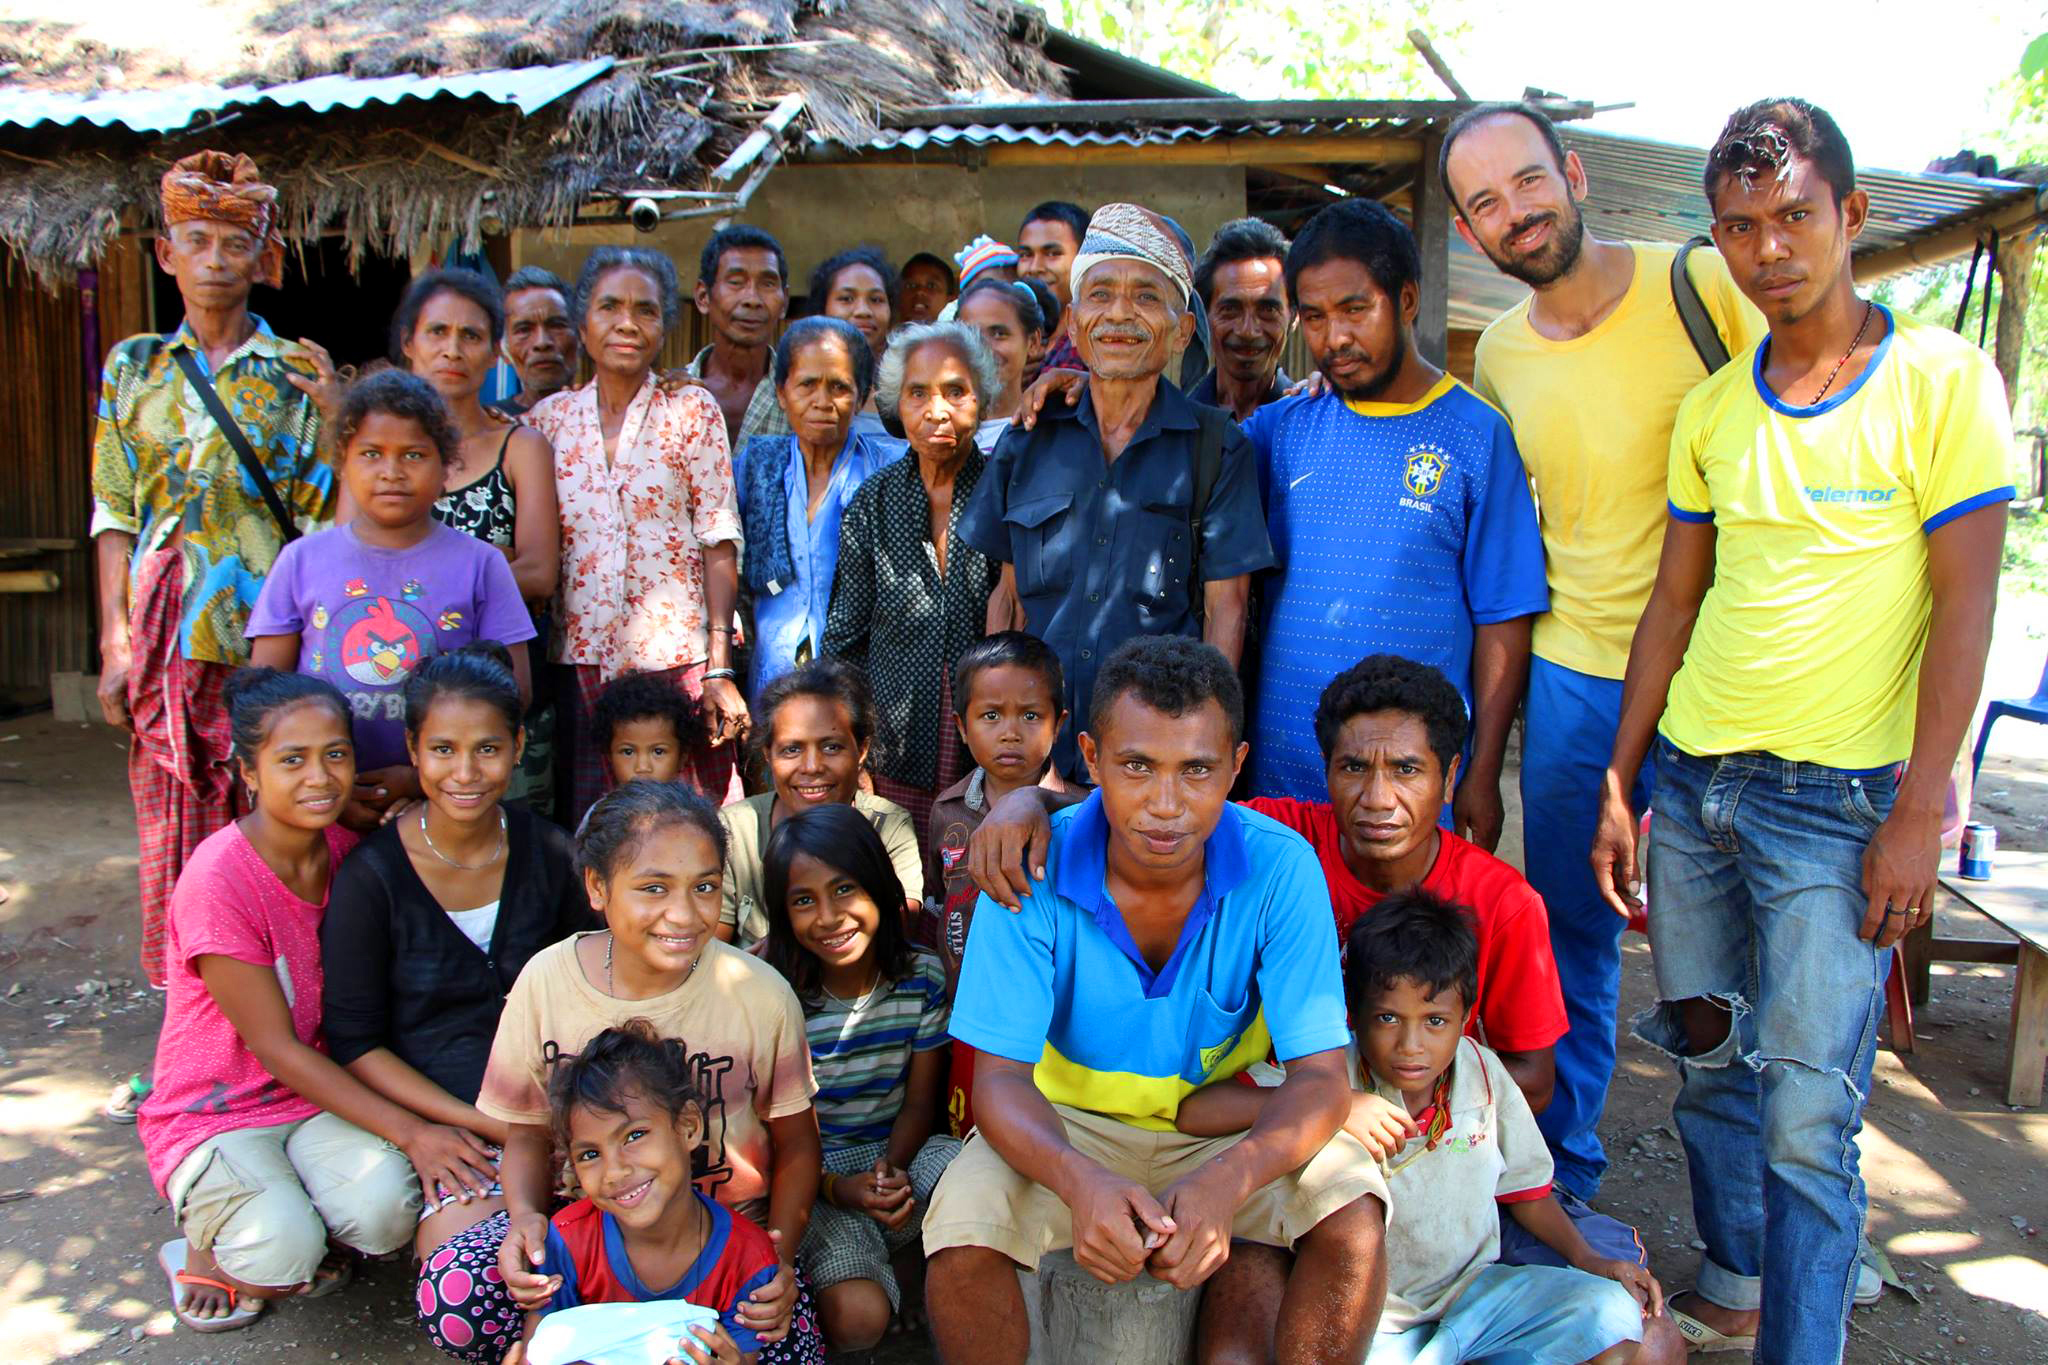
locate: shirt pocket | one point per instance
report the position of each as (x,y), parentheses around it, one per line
(1042,532)
(1161,556)
(1214,1031)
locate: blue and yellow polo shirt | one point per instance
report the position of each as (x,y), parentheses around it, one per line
(1061,984)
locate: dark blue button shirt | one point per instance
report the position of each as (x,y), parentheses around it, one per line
(1104,549)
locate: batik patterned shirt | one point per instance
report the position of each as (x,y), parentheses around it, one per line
(634,526)
(161,465)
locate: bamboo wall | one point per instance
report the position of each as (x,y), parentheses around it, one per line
(48,390)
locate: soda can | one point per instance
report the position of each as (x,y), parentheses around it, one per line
(1980,842)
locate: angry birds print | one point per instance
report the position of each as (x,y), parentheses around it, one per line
(382,641)
(356,587)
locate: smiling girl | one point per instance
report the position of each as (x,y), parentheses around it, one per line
(875,1013)
(436,914)
(816,721)
(628,1113)
(364,604)
(650,855)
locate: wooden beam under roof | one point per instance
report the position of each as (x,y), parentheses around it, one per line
(1206,110)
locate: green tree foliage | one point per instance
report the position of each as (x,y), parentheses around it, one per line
(1294,49)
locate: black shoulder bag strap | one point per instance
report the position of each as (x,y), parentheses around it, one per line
(1692,310)
(239,439)
(1208,469)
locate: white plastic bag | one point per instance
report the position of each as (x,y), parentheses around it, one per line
(617,1333)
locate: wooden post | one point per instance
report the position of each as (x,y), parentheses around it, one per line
(2015,280)
(2027,1050)
(1433,240)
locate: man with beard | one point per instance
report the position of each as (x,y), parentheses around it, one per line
(1242,282)
(1399,512)
(1590,371)
(539,342)
(1135,512)
(742,291)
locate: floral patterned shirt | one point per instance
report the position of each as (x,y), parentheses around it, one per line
(160,465)
(634,527)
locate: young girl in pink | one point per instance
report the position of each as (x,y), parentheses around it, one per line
(274,1160)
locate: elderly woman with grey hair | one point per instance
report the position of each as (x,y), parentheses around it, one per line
(650,526)
(910,594)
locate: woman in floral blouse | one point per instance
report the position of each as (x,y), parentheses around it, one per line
(910,595)
(650,530)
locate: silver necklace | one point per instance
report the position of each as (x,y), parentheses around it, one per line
(610,938)
(465,867)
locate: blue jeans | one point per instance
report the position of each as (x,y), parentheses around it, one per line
(1756,869)
(1567,734)
(1515,1315)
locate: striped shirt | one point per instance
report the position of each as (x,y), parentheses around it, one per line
(861,1051)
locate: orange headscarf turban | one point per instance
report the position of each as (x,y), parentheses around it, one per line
(224,188)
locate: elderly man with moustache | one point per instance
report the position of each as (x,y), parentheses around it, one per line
(190,511)
(1135,512)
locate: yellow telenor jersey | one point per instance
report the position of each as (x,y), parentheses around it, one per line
(1808,643)
(1592,417)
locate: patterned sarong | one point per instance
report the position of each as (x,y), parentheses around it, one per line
(179,762)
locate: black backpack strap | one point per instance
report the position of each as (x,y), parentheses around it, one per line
(239,439)
(1692,310)
(1208,469)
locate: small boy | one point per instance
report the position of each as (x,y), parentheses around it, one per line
(1410,977)
(646,727)
(1006,702)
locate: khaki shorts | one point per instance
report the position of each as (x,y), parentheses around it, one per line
(981,1202)
(266,1200)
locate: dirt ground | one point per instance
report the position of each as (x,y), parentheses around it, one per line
(1957,1199)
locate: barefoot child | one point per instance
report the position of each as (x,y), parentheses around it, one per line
(813,725)
(875,1010)
(1410,977)
(272,1157)
(647,728)
(366,603)
(627,1111)
(650,854)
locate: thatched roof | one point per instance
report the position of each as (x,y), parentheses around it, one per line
(385,175)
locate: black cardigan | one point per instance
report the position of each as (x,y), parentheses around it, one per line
(400,975)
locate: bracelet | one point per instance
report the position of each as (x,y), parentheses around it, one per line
(719,675)
(827,1182)
(719,630)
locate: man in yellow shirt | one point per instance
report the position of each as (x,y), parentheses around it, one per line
(1821,615)
(1589,370)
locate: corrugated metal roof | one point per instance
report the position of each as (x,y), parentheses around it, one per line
(527,89)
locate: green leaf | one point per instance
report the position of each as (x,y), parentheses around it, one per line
(2035,60)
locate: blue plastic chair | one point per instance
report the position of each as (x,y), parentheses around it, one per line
(2034,708)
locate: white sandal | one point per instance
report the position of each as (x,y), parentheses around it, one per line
(172,1256)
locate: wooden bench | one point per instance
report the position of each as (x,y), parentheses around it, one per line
(2016,900)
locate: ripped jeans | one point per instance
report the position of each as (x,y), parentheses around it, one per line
(1755,872)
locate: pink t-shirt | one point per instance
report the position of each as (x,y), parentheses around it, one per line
(229,902)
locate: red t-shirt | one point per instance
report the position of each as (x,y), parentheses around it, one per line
(1521,1007)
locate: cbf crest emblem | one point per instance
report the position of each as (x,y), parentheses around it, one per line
(1425,471)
